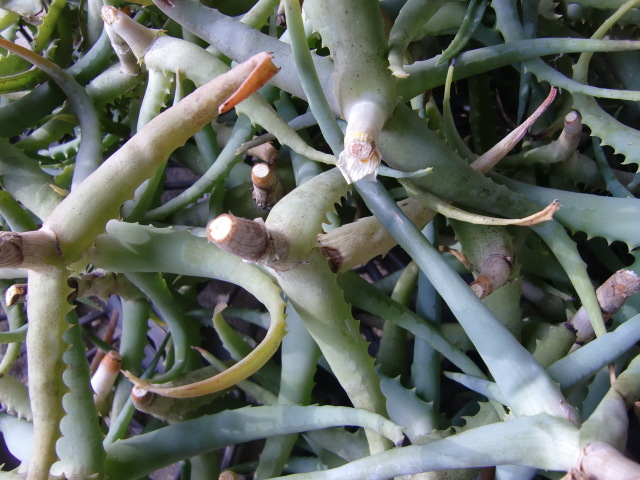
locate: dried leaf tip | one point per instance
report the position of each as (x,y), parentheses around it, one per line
(489,159)
(263,70)
(360,158)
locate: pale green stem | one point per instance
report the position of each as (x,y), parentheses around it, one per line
(27,183)
(155,95)
(14,215)
(30,109)
(322,191)
(205,466)
(102,90)
(242,131)
(481,243)
(135,316)
(101,195)
(426,367)
(550,444)
(89,154)
(467,186)
(184,331)
(185,254)
(13,336)
(134,327)
(7,18)
(207,142)
(119,425)
(412,16)
(262,395)
(158,88)
(425,74)
(198,65)
(509,26)
(127,60)
(303,168)
(299,357)
(239,42)
(294,120)
(472,18)
(532,391)
(80,448)
(560,150)
(137,456)
(607,428)
(392,354)
(47,310)
(589,359)
(483,387)
(48,133)
(314,293)
(366,297)
(111,84)
(308,75)
(365,88)
(260,13)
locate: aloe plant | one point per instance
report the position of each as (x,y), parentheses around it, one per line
(390,180)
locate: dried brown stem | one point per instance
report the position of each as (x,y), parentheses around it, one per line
(494,272)
(611,296)
(105,377)
(248,239)
(267,188)
(343,246)
(32,250)
(16,294)
(600,461)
